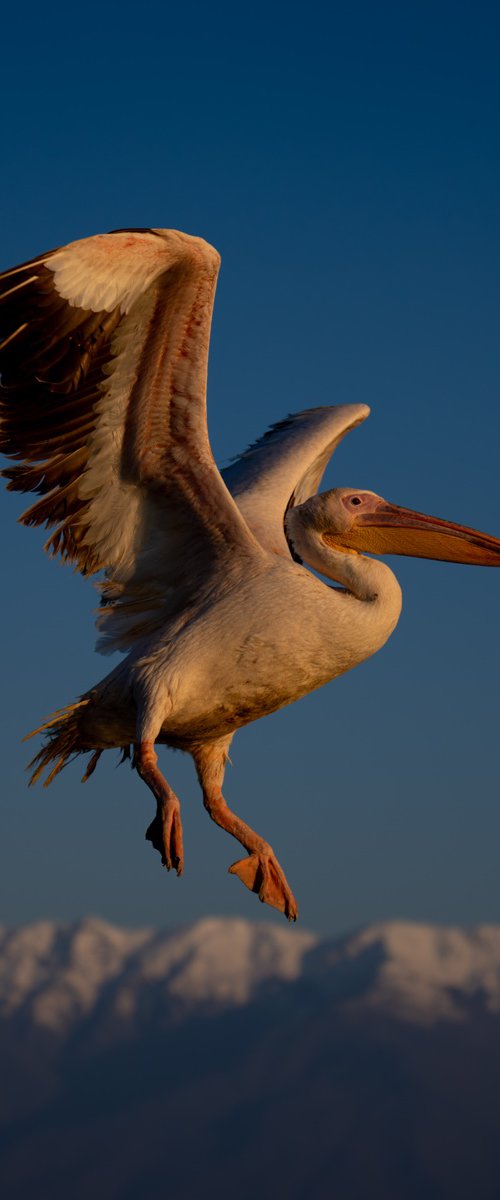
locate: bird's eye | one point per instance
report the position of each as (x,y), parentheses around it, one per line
(356,500)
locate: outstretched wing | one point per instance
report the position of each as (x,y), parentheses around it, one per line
(286,466)
(103,362)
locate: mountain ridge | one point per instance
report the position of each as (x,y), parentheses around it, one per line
(56,974)
(230,1054)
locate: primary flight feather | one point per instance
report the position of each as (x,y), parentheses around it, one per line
(205,587)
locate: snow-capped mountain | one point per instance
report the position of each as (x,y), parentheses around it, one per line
(134,1062)
(57,975)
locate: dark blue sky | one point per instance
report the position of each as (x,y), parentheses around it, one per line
(345,162)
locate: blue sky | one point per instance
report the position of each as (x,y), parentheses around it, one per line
(345,162)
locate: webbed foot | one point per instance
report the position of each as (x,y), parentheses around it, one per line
(261,873)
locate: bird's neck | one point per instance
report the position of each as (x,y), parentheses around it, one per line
(372,593)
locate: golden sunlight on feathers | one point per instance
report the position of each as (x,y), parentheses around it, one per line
(206,584)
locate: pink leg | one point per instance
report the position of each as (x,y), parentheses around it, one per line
(165,831)
(260,872)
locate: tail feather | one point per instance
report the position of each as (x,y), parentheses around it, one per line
(91,765)
(64,741)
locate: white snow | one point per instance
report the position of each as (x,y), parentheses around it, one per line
(427,973)
(57,974)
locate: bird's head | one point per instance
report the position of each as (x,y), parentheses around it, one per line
(360,521)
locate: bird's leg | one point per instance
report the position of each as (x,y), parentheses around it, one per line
(165,831)
(261,871)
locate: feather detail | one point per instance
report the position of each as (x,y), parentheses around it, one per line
(63,731)
(285,467)
(103,362)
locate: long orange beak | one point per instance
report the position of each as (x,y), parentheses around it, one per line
(393,530)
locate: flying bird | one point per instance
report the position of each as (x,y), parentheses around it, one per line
(206,584)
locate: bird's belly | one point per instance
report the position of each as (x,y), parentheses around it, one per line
(215,710)
(264,645)
(228,682)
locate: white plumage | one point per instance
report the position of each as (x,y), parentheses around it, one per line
(103,363)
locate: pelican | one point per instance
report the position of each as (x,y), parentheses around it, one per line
(206,584)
